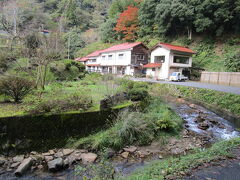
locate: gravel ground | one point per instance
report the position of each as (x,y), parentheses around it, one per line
(228,89)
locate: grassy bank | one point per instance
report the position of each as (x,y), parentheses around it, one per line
(225,101)
(67,96)
(139,128)
(178,166)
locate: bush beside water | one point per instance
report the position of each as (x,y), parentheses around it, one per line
(226,101)
(139,128)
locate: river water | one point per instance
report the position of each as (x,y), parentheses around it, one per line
(223,129)
(219,129)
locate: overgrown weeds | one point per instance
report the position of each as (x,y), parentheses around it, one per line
(222,100)
(139,128)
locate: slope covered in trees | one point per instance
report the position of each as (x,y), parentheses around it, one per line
(211,27)
(181,17)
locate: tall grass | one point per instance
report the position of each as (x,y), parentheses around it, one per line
(139,128)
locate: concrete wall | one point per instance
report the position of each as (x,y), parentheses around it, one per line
(222,78)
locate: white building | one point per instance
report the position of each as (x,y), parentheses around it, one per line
(123,59)
(166,59)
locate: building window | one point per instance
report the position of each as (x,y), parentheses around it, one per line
(159,59)
(181,60)
(153,69)
(120,56)
(94,60)
(140,56)
(110,57)
(103,58)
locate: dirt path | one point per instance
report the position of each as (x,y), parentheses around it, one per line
(222,170)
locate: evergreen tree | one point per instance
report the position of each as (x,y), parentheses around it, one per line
(147,13)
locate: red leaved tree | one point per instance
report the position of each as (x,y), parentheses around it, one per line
(127,23)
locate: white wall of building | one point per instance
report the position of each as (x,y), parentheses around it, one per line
(164,70)
(116,60)
(179,64)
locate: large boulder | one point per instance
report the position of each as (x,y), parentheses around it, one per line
(59,154)
(14,165)
(67,152)
(130,149)
(24,166)
(203,126)
(2,161)
(110,153)
(55,165)
(18,158)
(88,158)
(48,158)
(125,155)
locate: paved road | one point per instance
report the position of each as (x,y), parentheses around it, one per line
(228,89)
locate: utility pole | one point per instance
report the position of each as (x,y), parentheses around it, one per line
(15,20)
(69,46)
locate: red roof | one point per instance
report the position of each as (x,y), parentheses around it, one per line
(83,59)
(93,65)
(177,48)
(86,58)
(120,47)
(95,53)
(152,65)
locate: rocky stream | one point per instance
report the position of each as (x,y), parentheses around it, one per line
(201,128)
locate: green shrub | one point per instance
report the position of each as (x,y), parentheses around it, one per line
(134,128)
(87,83)
(108,77)
(226,101)
(6,58)
(15,87)
(232,62)
(138,94)
(166,123)
(80,102)
(94,77)
(137,91)
(68,70)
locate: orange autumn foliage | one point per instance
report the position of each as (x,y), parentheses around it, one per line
(127,23)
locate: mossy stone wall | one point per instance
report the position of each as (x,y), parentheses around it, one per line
(42,132)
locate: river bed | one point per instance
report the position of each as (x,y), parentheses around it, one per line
(218,128)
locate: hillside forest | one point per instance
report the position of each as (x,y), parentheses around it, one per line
(79,27)
(56,115)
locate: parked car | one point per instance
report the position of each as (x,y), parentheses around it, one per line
(177,76)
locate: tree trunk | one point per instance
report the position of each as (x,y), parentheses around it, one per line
(38,77)
(44,76)
(189,33)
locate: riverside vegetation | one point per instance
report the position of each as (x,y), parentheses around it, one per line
(148,120)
